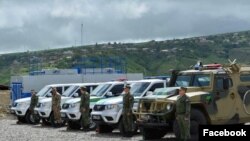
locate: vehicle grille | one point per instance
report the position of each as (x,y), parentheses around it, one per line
(65,106)
(99,107)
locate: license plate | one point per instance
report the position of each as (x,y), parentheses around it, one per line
(63,115)
(96,117)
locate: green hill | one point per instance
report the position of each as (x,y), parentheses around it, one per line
(150,58)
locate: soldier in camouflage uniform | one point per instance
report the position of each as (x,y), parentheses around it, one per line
(183,114)
(56,101)
(84,109)
(33,103)
(127,118)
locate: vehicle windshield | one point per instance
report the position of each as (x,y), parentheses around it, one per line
(166,91)
(199,80)
(100,90)
(70,91)
(44,91)
(138,88)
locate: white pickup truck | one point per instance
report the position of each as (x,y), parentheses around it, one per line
(70,109)
(107,113)
(21,106)
(44,110)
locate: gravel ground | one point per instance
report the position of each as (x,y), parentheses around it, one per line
(10,131)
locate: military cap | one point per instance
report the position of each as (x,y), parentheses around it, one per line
(127,86)
(183,88)
(83,87)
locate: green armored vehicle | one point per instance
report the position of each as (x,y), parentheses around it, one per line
(218,95)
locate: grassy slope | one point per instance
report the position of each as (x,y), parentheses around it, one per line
(150,58)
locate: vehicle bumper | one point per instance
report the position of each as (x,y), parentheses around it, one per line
(19,111)
(108,117)
(145,124)
(43,112)
(72,115)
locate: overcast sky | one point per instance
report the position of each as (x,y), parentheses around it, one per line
(43,24)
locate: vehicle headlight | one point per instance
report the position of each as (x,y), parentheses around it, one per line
(111,106)
(169,106)
(15,104)
(73,105)
(46,105)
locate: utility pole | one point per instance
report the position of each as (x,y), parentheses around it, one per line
(81,33)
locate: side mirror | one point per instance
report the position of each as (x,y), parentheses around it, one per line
(149,93)
(49,95)
(109,94)
(76,95)
(225,83)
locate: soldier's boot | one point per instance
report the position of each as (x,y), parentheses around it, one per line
(86,129)
(130,134)
(125,134)
(19,122)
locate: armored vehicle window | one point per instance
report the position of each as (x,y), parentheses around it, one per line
(202,80)
(138,88)
(220,80)
(116,90)
(245,77)
(219,84)
(155,86)
(183,80)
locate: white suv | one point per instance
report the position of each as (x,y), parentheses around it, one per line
(21,106)
(107,113)
(43,108)
(70,109)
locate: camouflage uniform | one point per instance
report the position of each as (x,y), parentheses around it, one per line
(84,109)
(183,116)
(33,102)
(128,101)
(56,101)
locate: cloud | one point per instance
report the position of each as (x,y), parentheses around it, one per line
(35,25)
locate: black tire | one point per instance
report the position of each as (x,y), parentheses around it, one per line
(121,126)
(197,118)
(45,122)
(104,129)
(52,119)
(92,124)
(21,119)
(31,118)
(152,133)
(49,120)
(75,125)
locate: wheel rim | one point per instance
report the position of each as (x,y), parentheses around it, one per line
(32,118)
(92,124)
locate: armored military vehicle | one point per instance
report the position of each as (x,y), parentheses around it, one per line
(219,94)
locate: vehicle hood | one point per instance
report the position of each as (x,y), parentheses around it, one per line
(74,100)
(194,96)
(156,96)
(45,100)
(114,100)
(95,98)
(27,99)
(77,100)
